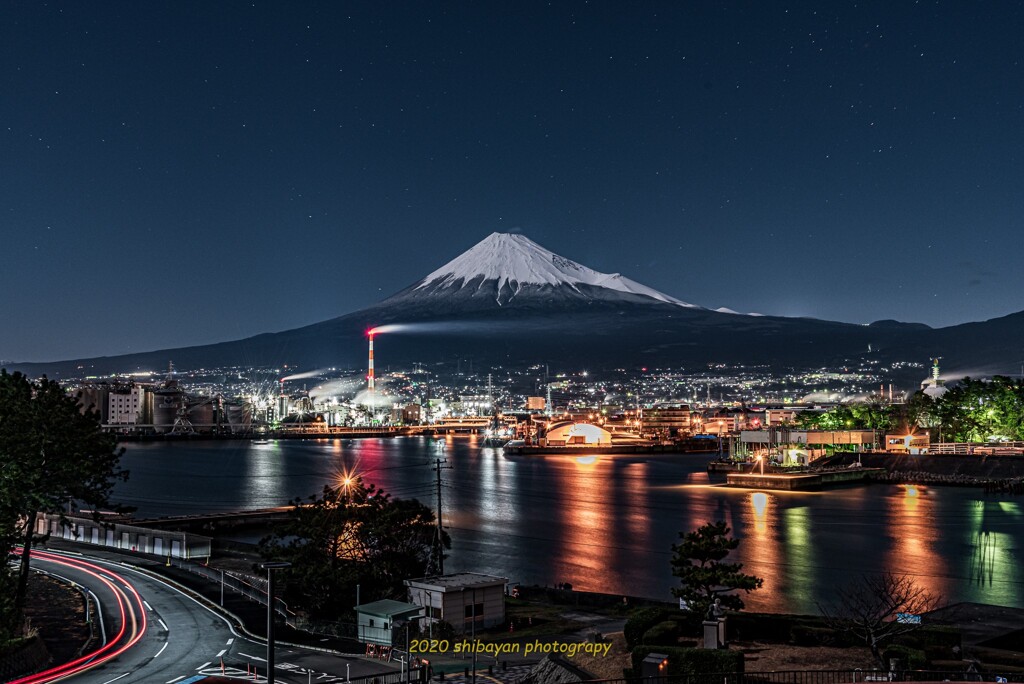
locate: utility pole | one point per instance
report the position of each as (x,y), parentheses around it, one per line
(439,465)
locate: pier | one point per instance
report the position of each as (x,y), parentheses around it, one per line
(801,481)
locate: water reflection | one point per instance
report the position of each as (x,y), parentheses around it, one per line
(607,523)
(995,558)
(800,558)
(586,544)
(262,473)
(916,538)
(763,546)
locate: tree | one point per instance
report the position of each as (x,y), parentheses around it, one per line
(867,609)
(351,535)
(52,454)
(697,562)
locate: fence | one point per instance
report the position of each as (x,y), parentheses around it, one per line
(977,449)
(822,677)
(255,589)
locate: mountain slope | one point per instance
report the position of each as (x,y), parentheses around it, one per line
(509,301)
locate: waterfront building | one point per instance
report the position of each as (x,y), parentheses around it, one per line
(568,433)
(916,443)
(801,447)
(460,599)
(125,405)
(96,397)
(667,420)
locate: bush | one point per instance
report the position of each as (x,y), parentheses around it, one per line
(692,661)
(662,634)
(802,635)
(936,641)
(642,620)
(910,658)
(766,627)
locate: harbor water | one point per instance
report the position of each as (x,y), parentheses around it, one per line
(608,523)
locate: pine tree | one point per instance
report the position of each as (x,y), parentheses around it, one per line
(697,562)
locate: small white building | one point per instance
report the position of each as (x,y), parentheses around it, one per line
(460,599)
(376,621)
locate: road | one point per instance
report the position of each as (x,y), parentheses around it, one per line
(155,633)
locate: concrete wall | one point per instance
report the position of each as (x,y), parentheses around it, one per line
(126,537)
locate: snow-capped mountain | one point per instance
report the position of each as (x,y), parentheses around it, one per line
(509,301)
(503,267)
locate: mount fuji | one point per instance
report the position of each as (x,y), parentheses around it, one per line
(512,271)
(509,301)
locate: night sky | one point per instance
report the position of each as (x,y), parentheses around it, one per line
(182,173)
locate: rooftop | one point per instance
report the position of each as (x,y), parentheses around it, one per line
(458,580)
(388,608)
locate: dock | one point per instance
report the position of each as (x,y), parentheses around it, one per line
(798,482)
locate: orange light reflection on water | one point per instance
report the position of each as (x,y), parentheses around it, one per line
(915,536)
(761,547)
(593,549)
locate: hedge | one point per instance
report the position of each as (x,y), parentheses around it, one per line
(662,634)
(692,661)
(642,620)
(910,658)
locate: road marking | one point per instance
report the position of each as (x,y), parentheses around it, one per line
(116,678)
(176,679)
(163,624)
(222,653)
(246,655)
(202,666)
(106,577)
(161,649)
(148,607)
(230,640)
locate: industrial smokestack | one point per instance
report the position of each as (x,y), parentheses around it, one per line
(369,375)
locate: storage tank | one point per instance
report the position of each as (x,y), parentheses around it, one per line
(202,414)
(166,402)
(238,416)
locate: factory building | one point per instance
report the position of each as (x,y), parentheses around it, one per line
(125,405)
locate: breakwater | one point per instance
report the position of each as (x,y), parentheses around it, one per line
(995,474)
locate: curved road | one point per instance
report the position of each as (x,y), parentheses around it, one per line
(155,633)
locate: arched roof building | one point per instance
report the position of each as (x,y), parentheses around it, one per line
(580,434)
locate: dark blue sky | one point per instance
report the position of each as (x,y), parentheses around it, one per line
(181,173)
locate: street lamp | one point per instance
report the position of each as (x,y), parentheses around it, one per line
(408,655)
(270,567)
(472,626)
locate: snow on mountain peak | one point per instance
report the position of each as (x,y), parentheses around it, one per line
(516,260)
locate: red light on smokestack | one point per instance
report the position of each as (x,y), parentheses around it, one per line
(369,374)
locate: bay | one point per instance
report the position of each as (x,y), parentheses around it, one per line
(607,523)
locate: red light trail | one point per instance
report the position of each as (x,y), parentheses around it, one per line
(129,606)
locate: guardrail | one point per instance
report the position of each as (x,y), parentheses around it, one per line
(255,589)
(823,677)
